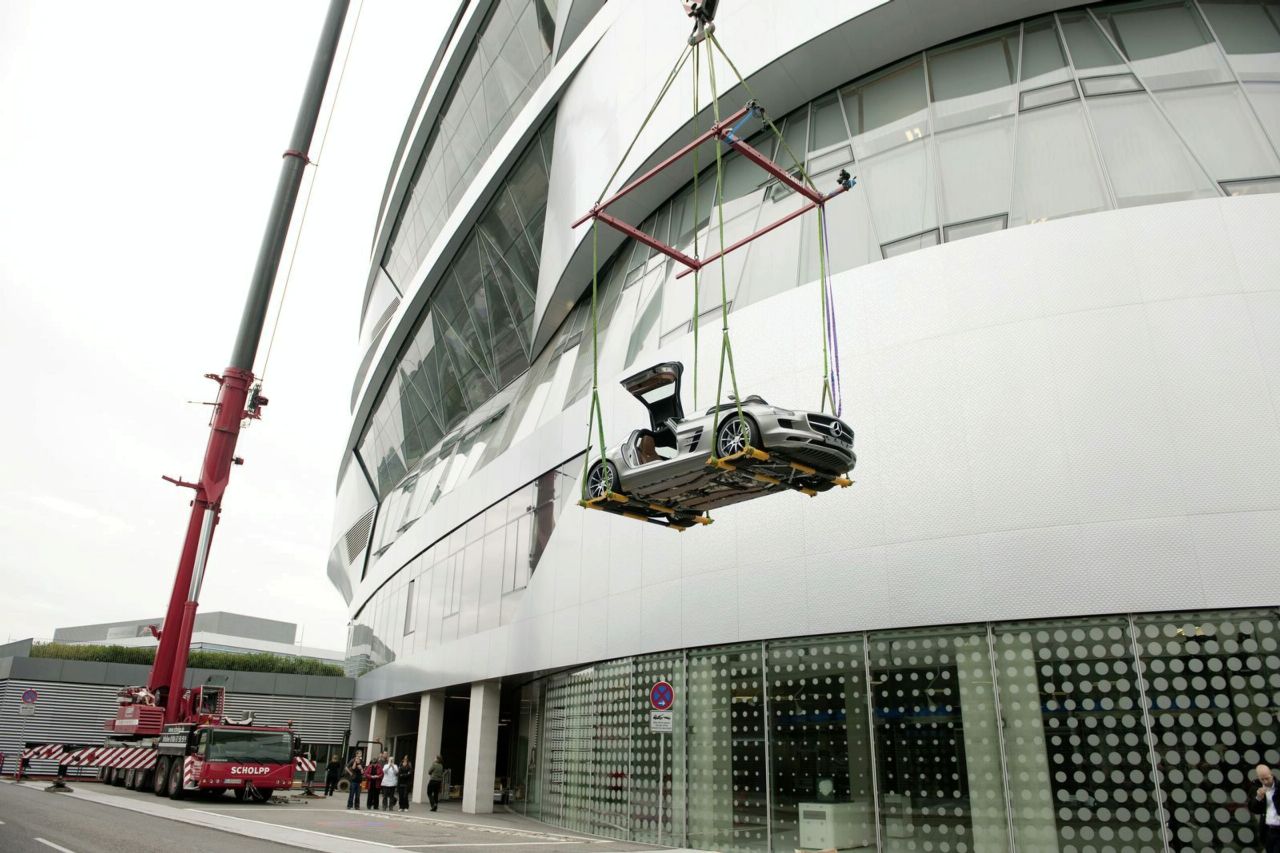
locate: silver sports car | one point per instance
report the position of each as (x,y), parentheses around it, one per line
(663,471)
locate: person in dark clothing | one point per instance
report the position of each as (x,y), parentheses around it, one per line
(1264,801)
(374,774)
(332,771)
(435,776)
(404,783)
(356,768)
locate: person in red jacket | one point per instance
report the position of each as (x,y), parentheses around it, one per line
(373,772)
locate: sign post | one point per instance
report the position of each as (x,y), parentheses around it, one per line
(662,698)
(26,709)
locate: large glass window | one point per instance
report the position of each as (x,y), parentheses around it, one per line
(474,337)
(1212,681)
(1080,775)
(1056,172)
(973,81)
(726,752)
(937,744)
(1146,161)
(510,56)
(821,756)
(1120,734)
(1249,32)
(1167,43)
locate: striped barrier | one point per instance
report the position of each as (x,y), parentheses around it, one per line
(122,758)
(191,771)
(44,752)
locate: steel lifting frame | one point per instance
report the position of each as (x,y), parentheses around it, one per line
(726,131)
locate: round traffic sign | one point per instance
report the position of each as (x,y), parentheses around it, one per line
(662,696)
(29,696)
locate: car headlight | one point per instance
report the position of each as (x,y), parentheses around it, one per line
(786,413)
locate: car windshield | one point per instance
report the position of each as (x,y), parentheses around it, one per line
(266,747)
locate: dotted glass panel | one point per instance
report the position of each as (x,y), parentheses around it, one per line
(724,714)
(936,741)
(588,740)
(819,750)
(1080,775)
(657,761)
(1213,684)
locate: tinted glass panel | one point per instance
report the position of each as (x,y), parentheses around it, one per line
(509,57)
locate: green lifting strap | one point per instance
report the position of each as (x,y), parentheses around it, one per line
(694,218)
(595,418)
(726,345)
(827,395)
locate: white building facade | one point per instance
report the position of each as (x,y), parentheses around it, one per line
(1042,619)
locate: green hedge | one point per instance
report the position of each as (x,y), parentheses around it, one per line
(259,662)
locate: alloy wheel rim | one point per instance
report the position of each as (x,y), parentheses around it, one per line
(599,483)
(733,438)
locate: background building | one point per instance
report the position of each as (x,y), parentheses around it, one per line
(1044,617)
(213,632)
(75,697)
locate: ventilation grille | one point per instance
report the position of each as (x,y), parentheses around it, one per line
(358,536)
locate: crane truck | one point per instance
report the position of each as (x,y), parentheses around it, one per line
(165,737)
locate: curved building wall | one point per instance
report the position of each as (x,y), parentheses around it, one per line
(1056,285)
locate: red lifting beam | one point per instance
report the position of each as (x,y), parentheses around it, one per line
(712,132)
(722,130)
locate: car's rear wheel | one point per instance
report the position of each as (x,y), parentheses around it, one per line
(736,433)
(602,479)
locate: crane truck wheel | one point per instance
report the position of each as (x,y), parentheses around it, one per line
(175,780)
(117,777)
(131,780)
(160,776)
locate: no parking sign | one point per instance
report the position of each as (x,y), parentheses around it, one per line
(662,696)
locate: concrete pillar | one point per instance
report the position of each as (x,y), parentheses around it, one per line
(482,748)
(379,717)
(430,732)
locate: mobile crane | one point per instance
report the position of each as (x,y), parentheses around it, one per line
(166,738)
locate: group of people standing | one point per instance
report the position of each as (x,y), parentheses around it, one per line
(386,778)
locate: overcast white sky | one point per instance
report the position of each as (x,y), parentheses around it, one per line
(139,148)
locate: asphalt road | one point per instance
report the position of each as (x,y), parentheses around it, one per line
(102,818)
(33,821)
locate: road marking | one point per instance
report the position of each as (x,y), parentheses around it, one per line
(412,818)
(54,846)
(292,828)
(491,844)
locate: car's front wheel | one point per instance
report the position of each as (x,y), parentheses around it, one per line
(736,433)
(602,479)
